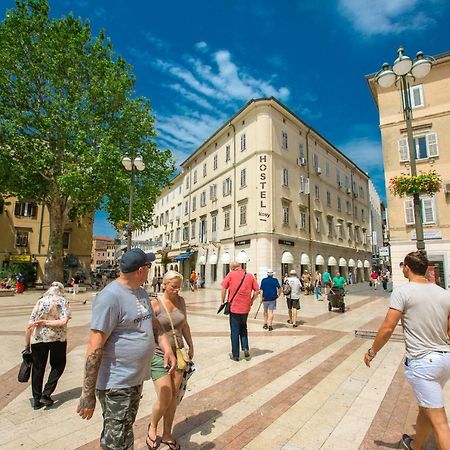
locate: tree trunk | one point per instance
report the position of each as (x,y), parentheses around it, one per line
(54,263)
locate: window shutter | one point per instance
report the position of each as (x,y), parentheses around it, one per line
(432,145)
(403,149)
(428,210)
(409,212)
(302,184)
(307,186)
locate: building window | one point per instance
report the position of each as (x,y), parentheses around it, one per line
(361,192)
(338,178)
(243,215)
(227,186)
(302,220)
(177,235)
(214,227)
(364,236)
(25,209)
(356,212)
(186,209)
(284,140)
(330,227)
(340,230)
(243,178)
(301,151)
(227,153)
(213,192)
(203,199)
(286,215)
(215,161)
(21,238)
(195,176)
(204,169)
(416,96)
(363,217)
(339,204)
(187,185)
(317,223)
(66,240)
(193,229)
(226,220)
(329,198)
(317,192)
(194,203)
(347,182)
(316,161)
(185,232)
(202,231)
(428,211)
(327,168)
(349,207)
(285,177)
(350,232)
(243,142)
(426,146)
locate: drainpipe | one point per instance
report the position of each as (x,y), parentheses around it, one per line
(309,198)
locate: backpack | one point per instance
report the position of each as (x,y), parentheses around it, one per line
(287,288)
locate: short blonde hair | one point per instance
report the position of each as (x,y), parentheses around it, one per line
(56,288)
(172,275)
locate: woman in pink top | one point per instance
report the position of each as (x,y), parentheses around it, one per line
(242,290)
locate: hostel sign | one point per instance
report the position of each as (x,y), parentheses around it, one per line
(263,209)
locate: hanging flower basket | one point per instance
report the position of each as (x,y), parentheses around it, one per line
(427,183)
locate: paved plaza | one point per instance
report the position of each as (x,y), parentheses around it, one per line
(304,388)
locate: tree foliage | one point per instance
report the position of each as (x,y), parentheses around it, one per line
(68,114)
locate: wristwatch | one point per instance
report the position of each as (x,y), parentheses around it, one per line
(371,353)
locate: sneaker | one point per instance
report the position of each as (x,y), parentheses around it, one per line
(47,401)
(37,404)
(247,353)
(270,328)
(406,441)
(234,358)
(265,326)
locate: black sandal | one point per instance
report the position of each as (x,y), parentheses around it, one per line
(173,445)
(153,442)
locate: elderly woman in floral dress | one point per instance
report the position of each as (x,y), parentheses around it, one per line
(46,334)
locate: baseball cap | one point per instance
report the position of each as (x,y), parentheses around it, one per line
(292,272)
(135,258)
(269,272)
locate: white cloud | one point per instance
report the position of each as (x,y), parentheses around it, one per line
(372,17)
(201,46)
(365,152)
(157,42)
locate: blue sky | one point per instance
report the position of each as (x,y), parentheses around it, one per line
(200,61)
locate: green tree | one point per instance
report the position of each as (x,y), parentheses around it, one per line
(68,114)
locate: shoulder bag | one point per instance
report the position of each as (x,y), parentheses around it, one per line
(181,353)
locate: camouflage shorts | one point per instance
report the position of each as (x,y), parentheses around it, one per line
(119,407)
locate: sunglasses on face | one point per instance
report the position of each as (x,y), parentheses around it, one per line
(401,264)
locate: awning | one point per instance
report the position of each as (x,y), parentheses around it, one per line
(359,264)
(183,256)
(319,260)
(202,260)
(226,258)
(212,258)
(242,257)
(305,259)
(351,262)
(342,262)
(332,261)
(287,258)
(366,264)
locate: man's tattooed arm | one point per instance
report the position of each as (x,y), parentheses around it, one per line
(94,356)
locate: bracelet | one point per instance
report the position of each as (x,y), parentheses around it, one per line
(371,353)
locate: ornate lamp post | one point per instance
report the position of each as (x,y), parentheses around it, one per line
(131,165)
(403,70)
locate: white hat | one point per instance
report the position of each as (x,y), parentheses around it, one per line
(292,272)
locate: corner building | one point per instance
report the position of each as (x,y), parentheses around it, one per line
(269,191)
(430,102)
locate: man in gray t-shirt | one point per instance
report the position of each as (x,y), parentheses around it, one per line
(424,310)
(120,349)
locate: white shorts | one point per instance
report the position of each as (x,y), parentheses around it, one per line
(428,376)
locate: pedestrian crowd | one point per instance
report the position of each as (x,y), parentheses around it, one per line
(133,339)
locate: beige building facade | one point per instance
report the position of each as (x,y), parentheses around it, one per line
(24,237)
(430,98)
(103,253)
(269,191)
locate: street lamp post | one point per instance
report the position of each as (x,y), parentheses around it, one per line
(404,69)
(131,165)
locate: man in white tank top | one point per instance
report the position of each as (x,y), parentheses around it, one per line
(424,310)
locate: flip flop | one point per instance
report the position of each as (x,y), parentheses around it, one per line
(173,445)
(153,443)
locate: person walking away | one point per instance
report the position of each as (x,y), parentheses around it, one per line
(76,284)
(159,283)
(47,335)
(270,291)
(241,289)
(154,283)
(326,282)
(169,308)
(293,298)
(424,311)
(385,279)
(318,286)
(350,278)
(374,279)
(193,281)
(306,281)
(120,349)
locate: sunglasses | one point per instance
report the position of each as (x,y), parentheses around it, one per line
(401,264)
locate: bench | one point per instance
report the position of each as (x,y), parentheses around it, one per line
(6,292)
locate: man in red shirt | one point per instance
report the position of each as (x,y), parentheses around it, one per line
(242,290)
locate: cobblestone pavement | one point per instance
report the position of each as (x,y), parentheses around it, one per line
(304,388)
